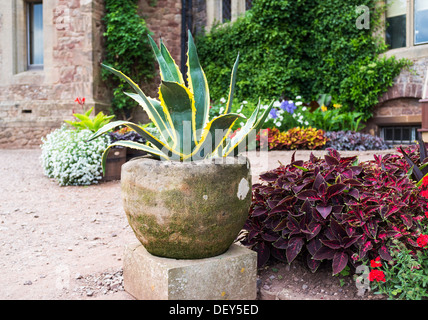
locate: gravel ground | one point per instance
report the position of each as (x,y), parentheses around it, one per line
(67,242)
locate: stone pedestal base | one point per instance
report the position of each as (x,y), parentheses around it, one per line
(231,275)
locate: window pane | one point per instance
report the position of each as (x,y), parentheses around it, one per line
(388,135)
(227,10)
(36,34)
(421,21)
(397,134)
(396,23)
(406,134)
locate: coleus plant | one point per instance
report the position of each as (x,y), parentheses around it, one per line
(419,165)
(333,208)
(297,138)
(181,115)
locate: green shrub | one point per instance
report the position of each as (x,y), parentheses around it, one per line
(69,159)
(335,209)
(291,48)
(403,278)
(126,48)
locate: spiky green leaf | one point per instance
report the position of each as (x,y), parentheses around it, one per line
(198,85)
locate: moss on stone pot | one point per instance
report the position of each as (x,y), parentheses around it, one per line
(186,210)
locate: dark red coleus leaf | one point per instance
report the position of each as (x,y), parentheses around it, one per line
(335,189)
(295,245)
(278,254)
(313,246)
(351,240)
(259,211)
(293,225)
(333,244)
(324,211)
(340,260)
(384,253)
(364,248)
(407,219)
(309,194)
(263,253)
(269,176)
(281,243)
(281,225)
(312,263)
(332,161)
(319,180)
(279,209)
(324,253)
(271,237)
(352,182)
(312,230)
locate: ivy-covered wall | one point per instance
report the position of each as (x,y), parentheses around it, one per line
(301,47)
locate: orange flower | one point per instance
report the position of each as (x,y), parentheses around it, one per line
(323,108)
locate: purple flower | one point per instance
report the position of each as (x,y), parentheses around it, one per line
(273,114)
(288,106)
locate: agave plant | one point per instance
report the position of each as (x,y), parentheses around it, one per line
(181,115)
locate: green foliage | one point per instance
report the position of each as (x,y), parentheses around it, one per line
(127,48)
(406,277)
(334,119)
(291,48)
(86,122)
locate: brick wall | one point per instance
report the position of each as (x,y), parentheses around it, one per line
(400,104)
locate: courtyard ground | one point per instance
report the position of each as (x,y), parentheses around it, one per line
(67,242)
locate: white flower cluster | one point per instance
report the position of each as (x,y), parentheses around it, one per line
(70,159)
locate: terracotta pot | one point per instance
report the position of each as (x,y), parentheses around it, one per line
(186,210)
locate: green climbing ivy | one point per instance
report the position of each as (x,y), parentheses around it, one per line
(300,47)
(127,49)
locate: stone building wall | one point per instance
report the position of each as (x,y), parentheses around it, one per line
(34,102)
(400,104)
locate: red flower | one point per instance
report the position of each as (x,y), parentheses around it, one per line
(422,240)
(425,181)
(376,275)
(375,263)
(426,214)
(424,193)
(80,101)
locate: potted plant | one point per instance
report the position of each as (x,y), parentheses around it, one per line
(128,134)
(84,121)
(190,197)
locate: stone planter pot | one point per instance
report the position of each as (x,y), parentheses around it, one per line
(186,210)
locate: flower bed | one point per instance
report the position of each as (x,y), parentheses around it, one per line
(340,210)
